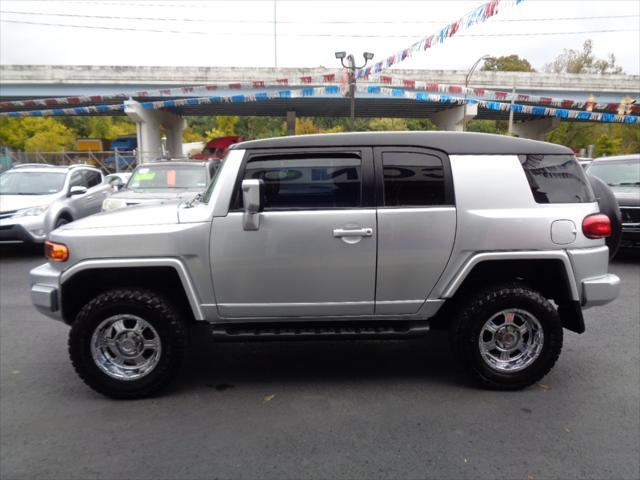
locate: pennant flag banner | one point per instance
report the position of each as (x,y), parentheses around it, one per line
(333,90)
(310,81)
(478,15)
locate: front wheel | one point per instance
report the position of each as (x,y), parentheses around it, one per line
(507,337)
(127,343)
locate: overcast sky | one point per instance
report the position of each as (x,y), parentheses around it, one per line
(241,33)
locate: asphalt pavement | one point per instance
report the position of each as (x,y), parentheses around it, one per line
(339,409)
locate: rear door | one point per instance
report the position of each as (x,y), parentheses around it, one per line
(416,225)
(97,191)
(314,254)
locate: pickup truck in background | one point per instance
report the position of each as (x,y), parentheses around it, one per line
(217,148)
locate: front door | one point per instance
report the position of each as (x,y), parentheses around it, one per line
(314,253)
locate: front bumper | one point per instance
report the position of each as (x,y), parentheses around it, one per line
(45,290)
(24,229)
(630,235)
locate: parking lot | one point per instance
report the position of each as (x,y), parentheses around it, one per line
(398,409)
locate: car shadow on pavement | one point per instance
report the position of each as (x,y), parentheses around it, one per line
(222,365)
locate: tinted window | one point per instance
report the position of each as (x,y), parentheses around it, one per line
(412,179)
(78,179)
(556,179)
(308,182)
(93,178)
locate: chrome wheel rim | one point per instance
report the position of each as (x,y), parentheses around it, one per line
(126,347)
(511,340)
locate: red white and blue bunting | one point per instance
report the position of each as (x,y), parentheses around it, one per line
(477,15)
(333,91)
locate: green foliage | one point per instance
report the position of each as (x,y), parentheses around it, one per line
(387,124)
(609,139)
(31,134)
(488,126)
(575,61)
(100,127)
(605,145)
(508,63)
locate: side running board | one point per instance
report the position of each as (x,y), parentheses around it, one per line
(317,330)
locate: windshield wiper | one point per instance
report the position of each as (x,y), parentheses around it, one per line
(624,184)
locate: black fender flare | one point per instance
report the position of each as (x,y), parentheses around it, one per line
(609,206)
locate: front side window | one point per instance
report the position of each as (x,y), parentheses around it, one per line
(556,179)
(78,180)
(412,179)
(308,183)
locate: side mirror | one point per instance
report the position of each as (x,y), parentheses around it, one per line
(77,190)
(251,193)
(116,182)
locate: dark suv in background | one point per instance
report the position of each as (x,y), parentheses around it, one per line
(622,174)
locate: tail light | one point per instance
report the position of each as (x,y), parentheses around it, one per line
(596,226)
(56,252)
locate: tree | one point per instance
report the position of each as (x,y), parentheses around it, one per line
(305,126)
(508,63)
(44,134)
(605,145)
(575,61)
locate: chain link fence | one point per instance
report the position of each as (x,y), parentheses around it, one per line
(108,161)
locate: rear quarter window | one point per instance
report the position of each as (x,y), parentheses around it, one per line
(556,179)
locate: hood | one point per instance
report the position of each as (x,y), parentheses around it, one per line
(9,203)
(627,195)
(157,214)
(150,195)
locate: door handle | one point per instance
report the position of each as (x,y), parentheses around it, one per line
(356,232)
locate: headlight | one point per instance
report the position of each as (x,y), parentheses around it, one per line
(32,211)
(112,204)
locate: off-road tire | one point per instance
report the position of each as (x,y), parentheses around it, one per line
(469,319)
(154,309)
(608,205)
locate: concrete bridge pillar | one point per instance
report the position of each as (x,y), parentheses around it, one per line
(535,129)
(148,124)
(455,118)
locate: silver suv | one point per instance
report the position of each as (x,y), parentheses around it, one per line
(36,198)
(499,240)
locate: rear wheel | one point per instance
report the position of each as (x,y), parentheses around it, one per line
(507,337)
(127,343)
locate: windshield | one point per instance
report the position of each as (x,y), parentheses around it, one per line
(31,183)
(168,177)
(617,173)
(207,194)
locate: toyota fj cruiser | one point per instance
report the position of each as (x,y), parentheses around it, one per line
(501,240)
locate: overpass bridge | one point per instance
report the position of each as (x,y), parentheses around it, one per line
(155,96)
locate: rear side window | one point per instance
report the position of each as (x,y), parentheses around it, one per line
(307,183)
(412,179)
(556,179)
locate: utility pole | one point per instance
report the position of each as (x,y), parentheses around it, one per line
(275,33)
(351,66)
(513,99)
(467,79)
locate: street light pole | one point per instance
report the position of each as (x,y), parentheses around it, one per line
(351,66)
(467,79)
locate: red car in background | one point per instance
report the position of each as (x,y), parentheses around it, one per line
(217,148)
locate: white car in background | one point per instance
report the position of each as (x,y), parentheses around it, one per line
(158,182)
(37,198)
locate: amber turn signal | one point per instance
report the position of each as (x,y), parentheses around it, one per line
(56,252)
